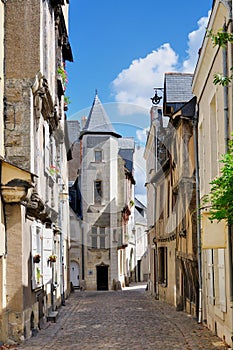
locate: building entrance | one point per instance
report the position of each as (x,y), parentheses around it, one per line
(102,277)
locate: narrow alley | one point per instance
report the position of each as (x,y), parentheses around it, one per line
(128,319)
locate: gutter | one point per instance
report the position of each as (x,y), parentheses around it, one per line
(226,138)
(198,213)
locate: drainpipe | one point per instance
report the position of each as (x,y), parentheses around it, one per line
(198,213)
(226,137)
(156,287)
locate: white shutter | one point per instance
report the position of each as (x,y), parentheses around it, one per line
(2,239)
(47,251)
(210,276)
(47,148)
(34,252)
(37,241)
(221,280)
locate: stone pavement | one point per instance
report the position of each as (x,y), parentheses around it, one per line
(124,320)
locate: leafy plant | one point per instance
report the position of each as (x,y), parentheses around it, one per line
(221,193)
(221,39)
(53,170)
(52,258)
(131,202)
(38,275)
(62,72)
(67,100)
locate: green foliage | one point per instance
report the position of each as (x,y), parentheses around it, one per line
(220,79)
(62,72)
(221,193)
(221,38)
(67,100)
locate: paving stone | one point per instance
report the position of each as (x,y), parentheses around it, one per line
(122,320)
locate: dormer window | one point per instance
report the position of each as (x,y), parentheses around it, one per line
(98,156)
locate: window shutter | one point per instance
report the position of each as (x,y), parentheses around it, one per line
(47,251)
(46,148)
(34,250)
(210,272)
(221,280)
(2,239)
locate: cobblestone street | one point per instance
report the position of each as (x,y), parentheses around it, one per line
(128,319)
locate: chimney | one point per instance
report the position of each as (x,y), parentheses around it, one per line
(83,122)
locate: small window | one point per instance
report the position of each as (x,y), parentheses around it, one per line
(97,191)
(94,237)
(161,207)
(102,237)
(98,156)
(98,236)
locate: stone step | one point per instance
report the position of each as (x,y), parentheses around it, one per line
(52,316)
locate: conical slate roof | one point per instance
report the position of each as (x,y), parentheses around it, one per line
(98,121)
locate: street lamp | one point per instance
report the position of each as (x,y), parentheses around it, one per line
(156,99)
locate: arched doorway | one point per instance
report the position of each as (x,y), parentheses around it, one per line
(74,274)
(102,277)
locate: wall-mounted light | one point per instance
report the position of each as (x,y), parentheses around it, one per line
(156,99)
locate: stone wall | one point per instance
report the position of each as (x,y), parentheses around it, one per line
(18,121)
(22,26)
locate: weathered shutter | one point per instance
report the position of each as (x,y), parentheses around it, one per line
(47,148)
(34,252)
(210,276)
(47,251)
(221,280)
(2,239)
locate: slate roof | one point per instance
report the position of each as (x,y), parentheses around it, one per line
(98,121)
(138,218)
(139,204)
(178,87)
(177,92)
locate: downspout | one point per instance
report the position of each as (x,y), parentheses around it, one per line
(198,213)
(226,138)
(155,250)
(154,240)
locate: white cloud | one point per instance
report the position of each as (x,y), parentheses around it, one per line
(142,134)
(134,85)
(194,44)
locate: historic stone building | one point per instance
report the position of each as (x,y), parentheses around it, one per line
(34,275)
(171,190)
(214,129)
(158,126)
(177,245)
(141,242)
(101,201)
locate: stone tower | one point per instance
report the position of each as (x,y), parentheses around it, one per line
(99,188)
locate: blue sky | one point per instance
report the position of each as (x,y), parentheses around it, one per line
(123,49)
